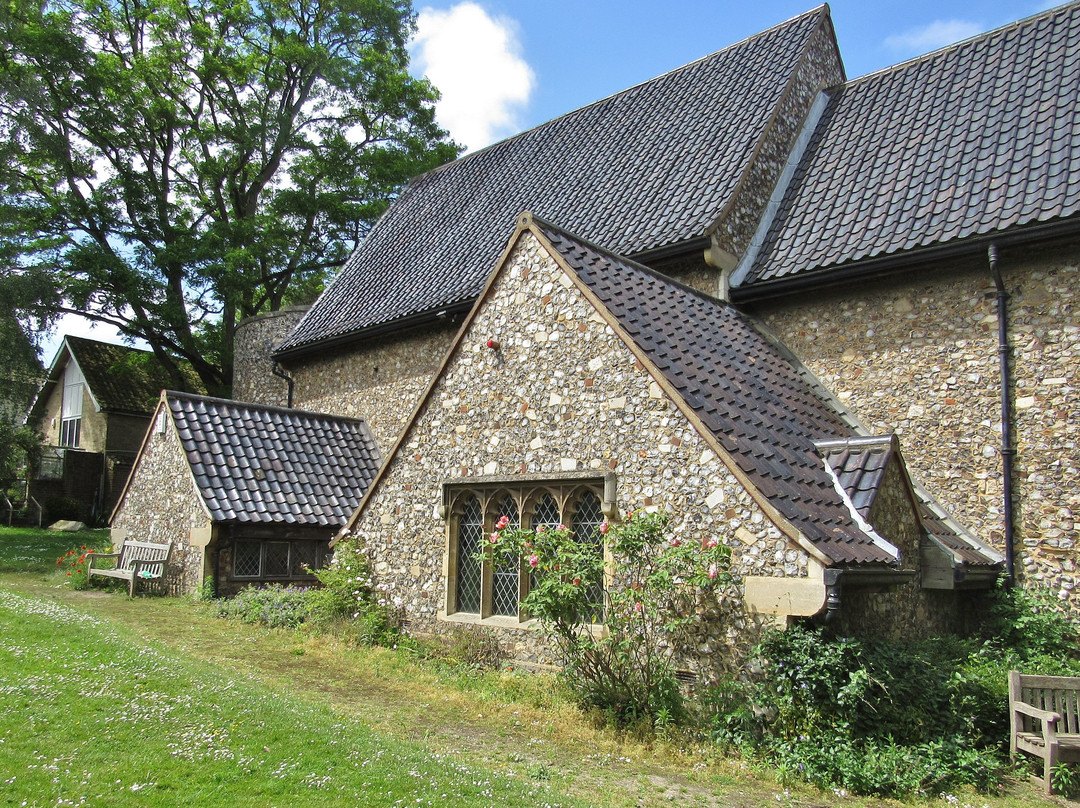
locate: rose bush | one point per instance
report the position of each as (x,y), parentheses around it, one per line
(618,619)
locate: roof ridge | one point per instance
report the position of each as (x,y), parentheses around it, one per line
(168,394)
(625,91)
(925,57)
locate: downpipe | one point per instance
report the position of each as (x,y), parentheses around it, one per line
(1008,452)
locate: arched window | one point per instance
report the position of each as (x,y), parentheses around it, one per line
(469,570)
(493,589)
(506,571)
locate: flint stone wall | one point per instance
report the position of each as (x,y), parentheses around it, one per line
(562,394)
(253,363)
(380,381)
(919,356)
(161,505)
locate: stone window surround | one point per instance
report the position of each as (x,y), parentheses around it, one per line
(527,489)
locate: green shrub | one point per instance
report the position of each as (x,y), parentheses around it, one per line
(273,605)
(1033,625)
(648,611)
(63,508)
(892,718)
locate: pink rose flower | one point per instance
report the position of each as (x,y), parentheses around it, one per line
(638,607)
(494,537)
(712,571)
(710,543)
(503,522)
(534,560)
(604,527)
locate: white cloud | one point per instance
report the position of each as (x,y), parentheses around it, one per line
(475,61)
(932,36)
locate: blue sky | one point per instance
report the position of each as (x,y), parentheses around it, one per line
(483,53)
(507,65)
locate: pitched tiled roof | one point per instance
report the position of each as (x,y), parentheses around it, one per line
(980,137)
(120,378)
(859,465)
(763,408)
(644,169)
(253,463)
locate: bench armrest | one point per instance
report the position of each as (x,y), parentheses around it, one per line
(91,557)
(1048,717)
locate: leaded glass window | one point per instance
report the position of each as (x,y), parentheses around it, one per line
(469,571)
(279,560)
(494,587)
(588,516)
(506,574)
(248,562)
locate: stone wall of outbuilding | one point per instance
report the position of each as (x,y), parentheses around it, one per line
(561,395)
(919,356)
(161,505)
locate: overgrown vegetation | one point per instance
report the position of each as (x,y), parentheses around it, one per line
(855,715)
(627,669)
(344,602)
(892,718)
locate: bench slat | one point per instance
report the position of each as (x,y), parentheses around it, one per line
(1061,740)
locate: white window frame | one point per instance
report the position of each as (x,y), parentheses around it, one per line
(71,407)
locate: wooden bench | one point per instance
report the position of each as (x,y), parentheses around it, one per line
(1044,719)
(136,561)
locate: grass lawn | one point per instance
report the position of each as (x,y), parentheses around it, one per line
(25,549)
(106,700)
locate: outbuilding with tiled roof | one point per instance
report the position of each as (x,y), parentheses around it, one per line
(246,493)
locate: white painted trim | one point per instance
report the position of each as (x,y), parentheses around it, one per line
(856,517)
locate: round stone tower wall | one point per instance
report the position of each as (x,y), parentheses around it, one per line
(253,362)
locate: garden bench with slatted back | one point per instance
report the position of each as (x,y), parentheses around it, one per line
(136,561)
(1044,719)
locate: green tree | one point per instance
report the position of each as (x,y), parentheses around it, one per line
(179,165)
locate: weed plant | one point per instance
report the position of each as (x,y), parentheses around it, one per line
(889,718)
